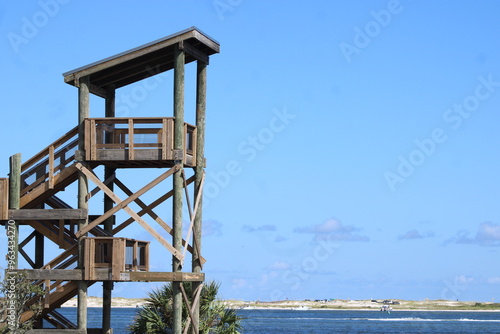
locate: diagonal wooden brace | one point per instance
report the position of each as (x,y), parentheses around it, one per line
(193,216)
(191,308)
(148,209)
(123,205)
(97,189)
(153,205)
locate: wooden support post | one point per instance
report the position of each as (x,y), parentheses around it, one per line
(179,60)
(201,90)
(14,199)
(107,286)
(83,189)
(39,250)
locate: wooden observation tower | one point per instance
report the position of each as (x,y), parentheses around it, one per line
(96,248)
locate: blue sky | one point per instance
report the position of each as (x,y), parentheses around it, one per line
(351,146)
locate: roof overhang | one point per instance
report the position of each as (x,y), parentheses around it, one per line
(144,61)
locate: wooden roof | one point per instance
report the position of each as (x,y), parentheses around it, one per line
(144,61)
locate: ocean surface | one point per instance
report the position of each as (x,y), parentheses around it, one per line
(329,321)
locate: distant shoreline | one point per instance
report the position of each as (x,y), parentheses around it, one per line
(330,305)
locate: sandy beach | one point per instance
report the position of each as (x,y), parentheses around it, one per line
(337,304)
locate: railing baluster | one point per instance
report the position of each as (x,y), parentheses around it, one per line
(51,167)
(163,135)
(131,139)
(93,140)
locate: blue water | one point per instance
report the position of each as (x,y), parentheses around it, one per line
(328,321)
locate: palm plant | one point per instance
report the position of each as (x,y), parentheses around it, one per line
(156,316)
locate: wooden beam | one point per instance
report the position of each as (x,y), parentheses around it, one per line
(194,52)
(27,239)
(190,312)
(48,214)
(51,167)
(152,276)
(53,274)
(193,216)
(27,258)
(107,182)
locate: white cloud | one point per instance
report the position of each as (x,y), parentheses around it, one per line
(414,234)
(250,229)
(488,234)
(464,279)
(494,280)
(333,229)
(279,265)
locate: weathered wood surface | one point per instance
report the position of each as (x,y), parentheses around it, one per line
(152,276)
(4,198)
(47,214)
(53,274)
(120,204)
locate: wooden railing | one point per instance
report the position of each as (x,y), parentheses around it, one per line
(116,254)
(136,138)
(48,162)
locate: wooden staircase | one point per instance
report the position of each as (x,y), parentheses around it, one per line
(42,177)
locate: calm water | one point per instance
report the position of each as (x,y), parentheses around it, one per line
(321,322)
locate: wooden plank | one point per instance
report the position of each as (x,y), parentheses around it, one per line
(41,189)
(61,231)
(124,154)
(47,232)
(194,52)
(97,189)
(47,214)
(193,216)
(170,140)
(153,276)
(93,139)
(51,167)
(61,257)
(110,193)
(53,274)
(125,120)
(130,139)
(4,198)
(26,257)
(164,140)
(87,139)
(190,311)
(118,258)
(46,298)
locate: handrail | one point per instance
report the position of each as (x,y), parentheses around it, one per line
(58,143)
(49,161)
(133,135)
